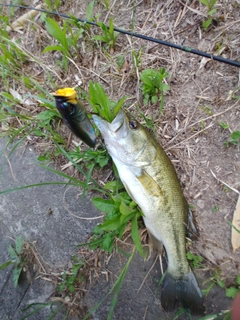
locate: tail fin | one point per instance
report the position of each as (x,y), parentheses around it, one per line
(185,290)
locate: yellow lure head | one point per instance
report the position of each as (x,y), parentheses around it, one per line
(68,93)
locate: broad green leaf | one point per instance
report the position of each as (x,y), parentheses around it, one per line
(235,135)
(7,96)
(211,12)
(224,125)
(42,158)
(114,185)
(232,292)
(12,253)
(125,219)
(124,209)
(71,288)
(103,205)
(38,133)
(206,23)
(220,283)
(111,225)
(89,11)
(16,275)
(238,280)
(118,106)
(19,244)
(99,38)
(205,2)
(107,243)
(154,99)
(165,87)
(55,31)
(55,48)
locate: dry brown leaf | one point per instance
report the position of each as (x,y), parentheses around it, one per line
(236,224)
(19,23)
(16,95)
(126,67)
(203,62)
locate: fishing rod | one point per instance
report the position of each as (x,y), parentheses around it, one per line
(137,35)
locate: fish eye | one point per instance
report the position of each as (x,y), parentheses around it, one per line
(69,106)
(133,124)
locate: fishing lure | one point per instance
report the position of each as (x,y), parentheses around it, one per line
(75,116)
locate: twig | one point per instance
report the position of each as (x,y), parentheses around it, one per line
(147,274)
(145,313)
(227,26)
(201,120)
(227,185)
(215,115)
(194,135)
(36,257)
(10,166)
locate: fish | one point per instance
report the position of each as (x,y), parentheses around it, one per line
(151,181)
(75,116)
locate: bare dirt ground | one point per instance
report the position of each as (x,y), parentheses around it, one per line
(201,97)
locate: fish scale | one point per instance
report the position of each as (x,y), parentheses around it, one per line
(150,179)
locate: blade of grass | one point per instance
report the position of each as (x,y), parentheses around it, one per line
(230,223)
(116,287)
(78,182)
(39,307)
(178,313)
(56,311)
(64,175)
(88,177)
(13,148)
(36,185)
(135,235)
(215,316)
(81,170)
(6,264)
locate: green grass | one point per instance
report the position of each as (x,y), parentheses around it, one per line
(153,86)
(211,10)
(101,104)
(233,139)
(17,259)
(108,36)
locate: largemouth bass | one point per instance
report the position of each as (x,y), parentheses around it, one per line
(75,116)
(150,179)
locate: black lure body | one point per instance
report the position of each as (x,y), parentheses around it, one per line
(75,116)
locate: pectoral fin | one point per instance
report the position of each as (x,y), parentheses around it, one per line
(191,228)
(128,191)
(149,184)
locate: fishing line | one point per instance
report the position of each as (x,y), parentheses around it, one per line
(137,35)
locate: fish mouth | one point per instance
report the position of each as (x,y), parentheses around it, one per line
(117,122)
(117,129)
(120,126)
